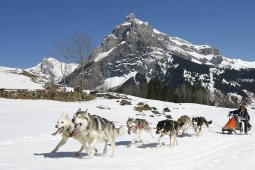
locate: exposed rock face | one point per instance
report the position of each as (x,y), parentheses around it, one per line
(216,60)
(208,51)
(135,52)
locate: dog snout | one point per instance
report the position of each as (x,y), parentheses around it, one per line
(56,126)
(73,120)
(157,132)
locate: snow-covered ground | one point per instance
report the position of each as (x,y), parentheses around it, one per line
(26,143)
(14,78)
(11,78)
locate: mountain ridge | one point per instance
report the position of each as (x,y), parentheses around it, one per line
(135,58)
(204,54)
(135,53)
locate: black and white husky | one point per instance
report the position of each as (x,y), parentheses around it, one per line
(66,128)
(94,128)
(137,126)
(198,122)
(168,127)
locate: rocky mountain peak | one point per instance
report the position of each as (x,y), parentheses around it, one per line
(136,52)
(130,17)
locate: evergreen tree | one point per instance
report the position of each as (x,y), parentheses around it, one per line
(155,89)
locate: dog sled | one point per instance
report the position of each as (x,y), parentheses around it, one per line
(232,126)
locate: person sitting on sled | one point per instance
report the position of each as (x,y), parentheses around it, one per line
(241,115)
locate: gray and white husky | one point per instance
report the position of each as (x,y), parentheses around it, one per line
(185,122)
(94,128)
(66,128)
(137,126)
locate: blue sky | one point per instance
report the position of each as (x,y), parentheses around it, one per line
(28,28)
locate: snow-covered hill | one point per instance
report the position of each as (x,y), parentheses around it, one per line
(12,78)
(26,143)
(35,77)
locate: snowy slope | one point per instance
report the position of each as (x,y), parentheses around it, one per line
(26,143)
(115,81)
(11,78)
(36,77)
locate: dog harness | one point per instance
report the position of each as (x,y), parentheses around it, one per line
(70,134)
(136,126)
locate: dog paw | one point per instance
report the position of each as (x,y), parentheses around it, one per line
(53,152)
(88,152)
(89,157)
(77,154)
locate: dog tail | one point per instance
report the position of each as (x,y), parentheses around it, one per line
(119,131)
(208,123)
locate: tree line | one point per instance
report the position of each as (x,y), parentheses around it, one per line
(184,93)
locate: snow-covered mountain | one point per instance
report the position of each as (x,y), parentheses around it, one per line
(160,44)
(52,67)
(35,77)
(136,52)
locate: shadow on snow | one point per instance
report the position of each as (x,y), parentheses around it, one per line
(60,155)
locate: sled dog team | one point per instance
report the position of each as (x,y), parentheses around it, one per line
(89,129)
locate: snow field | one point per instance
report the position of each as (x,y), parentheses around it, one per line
(26,143)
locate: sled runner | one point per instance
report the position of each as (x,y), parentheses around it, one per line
(231,126)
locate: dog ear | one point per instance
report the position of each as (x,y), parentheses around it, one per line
(85,113)
(65,115)
(78,110)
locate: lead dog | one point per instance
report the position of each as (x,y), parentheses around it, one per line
(168,127)
(94,128)
(137,126)
(198,122)
(66,128)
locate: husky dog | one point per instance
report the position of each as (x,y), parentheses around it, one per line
(137,126)
(94,128)
(168,127)
(185,122)
(198,122)
(66,128)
